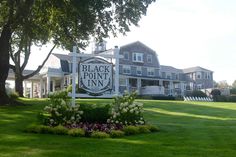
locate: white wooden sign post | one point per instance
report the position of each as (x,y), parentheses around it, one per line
(99,75)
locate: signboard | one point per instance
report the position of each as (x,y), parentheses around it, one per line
(95,75)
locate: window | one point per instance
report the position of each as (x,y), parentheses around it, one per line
(126,69)
(139,71)
(126,55)
(138,57)
(122,82)
(199,75)
(150,72)
(163,74)
(199,86)
(149,58)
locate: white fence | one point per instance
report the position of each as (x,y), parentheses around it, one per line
(191,98)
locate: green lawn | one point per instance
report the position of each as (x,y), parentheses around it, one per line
(188,129)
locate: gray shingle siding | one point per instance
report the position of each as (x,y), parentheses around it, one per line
(144,70)
(138,47)
(133,70)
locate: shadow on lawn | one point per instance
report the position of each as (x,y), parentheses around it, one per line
(196,110)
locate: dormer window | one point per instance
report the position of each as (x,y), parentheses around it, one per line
(138,57)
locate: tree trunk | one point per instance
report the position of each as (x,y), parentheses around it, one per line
(4,62)
(19,85)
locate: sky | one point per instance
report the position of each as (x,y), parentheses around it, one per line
(184,33)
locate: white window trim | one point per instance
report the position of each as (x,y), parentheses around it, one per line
(137,55)
(126,52)
(150,70)
(126,67)
(139,69)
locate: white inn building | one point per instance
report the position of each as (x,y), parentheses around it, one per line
(139,70)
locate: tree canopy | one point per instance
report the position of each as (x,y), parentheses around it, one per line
(64,22)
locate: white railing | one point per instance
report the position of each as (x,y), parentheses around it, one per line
(152,90)
(192,98)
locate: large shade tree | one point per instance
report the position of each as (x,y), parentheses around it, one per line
(64,22)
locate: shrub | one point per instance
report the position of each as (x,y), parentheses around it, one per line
(99,134)
(33,128)
(116,133)
(60,111)
(232,99)
(78,90)
(126,112)
(39,129)
(153,128)
(143,129)
(198,93)
(157,97)
(233,91)
(220,98)
(60,130)
(94,113)
(131,130)
(215,93)
(13,95)
(76,132)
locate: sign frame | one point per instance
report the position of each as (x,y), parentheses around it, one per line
(94,60)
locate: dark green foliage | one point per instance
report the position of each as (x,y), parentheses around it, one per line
(76,132)
(156,97)
(13,95)
(60,130)
(232,98)
(78,90)
(65,23)
(39,129)
(93,113)
(117,133)
(233,90)
(153,128)
(131,130)
(143,129)
(197,93)
(42,129)
(216,94)
(223,98)
(99,134)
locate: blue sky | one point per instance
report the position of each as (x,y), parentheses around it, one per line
(187,33)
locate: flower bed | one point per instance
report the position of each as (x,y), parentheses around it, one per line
(123,117)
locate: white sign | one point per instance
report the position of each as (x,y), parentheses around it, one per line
(95,75)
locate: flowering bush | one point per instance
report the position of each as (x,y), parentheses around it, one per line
(60,111)
(126,111)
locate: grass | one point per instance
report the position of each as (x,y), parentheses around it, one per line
(196,129)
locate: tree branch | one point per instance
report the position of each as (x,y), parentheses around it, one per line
(39,67)
(27,54)
(12,67)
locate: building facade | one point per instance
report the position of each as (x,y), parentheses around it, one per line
(139,70)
